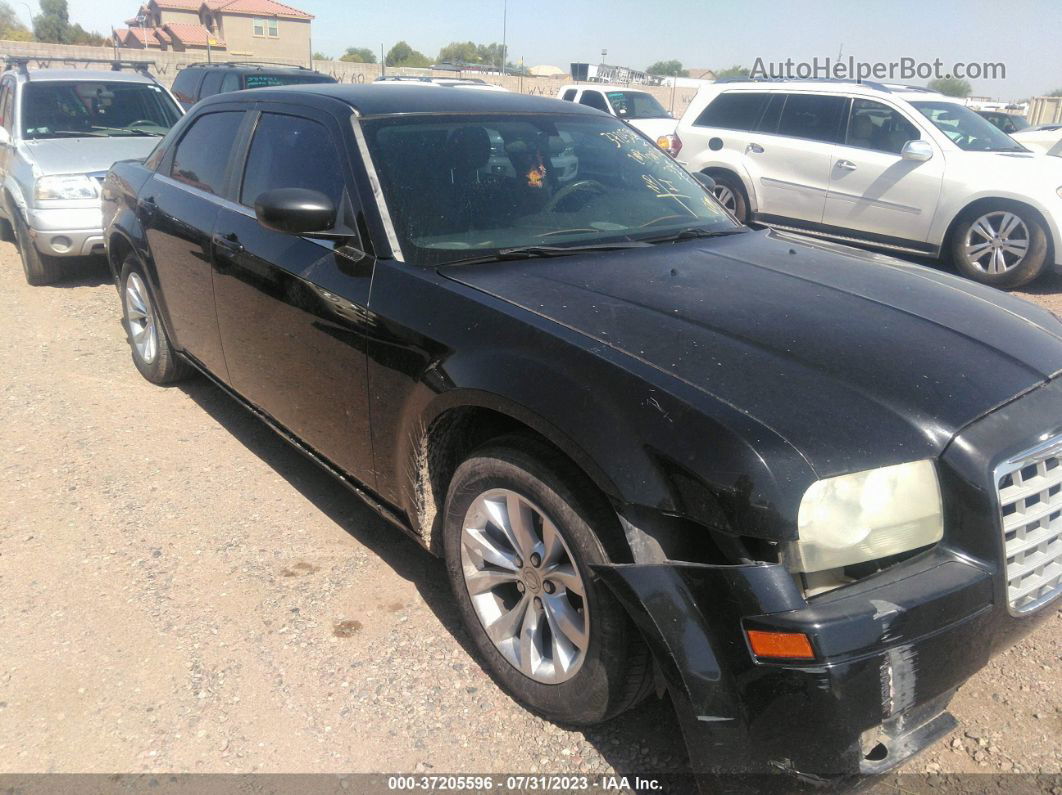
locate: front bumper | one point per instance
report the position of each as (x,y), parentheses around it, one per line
(889,651)
(68,231)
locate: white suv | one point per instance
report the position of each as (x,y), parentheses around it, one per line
(886,166)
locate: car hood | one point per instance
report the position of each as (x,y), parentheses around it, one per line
(654,128)
(1032,168)
(856,359)
(85,155)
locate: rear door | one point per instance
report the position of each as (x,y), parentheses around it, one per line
(292,309)
(178,207)
(872,188)
(789,158)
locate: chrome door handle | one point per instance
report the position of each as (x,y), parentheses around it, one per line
(756,149)
(847,165)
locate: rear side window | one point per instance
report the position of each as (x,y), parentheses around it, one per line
(202,155)
(569,95)
(291,152)
(211,84)
(812,116)
(594,100)
(186,84)
(735,110)
(230,83)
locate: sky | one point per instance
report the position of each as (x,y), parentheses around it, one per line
(708,33)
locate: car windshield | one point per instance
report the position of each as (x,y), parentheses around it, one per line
(966,129)
(466,186)
(55,109)
(636,105)
(256,80)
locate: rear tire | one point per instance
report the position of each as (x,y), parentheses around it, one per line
(40,269)
(1003,245)
(731,194)
(612,671)
(153,354)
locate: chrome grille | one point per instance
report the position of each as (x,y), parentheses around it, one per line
(1030,500)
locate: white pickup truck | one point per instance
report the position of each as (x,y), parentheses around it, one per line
(639,108)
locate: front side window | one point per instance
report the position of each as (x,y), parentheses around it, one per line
(202,155)
(636,105)
(186,83)
(812,116)
(965,128)
(594,99)
(466,186)
(60,109)
(734,110)
(6,105)
(873,125)
(291,152)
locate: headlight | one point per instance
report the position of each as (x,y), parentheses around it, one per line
(65,187)
(867,516)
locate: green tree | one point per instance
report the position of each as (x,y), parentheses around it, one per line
(951,86)
(732,71)
(11,27)
(459,52)
(404,55)
(667,69)
(53,23)
(358,55)
(320,56)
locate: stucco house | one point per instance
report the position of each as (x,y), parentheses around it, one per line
(253,29)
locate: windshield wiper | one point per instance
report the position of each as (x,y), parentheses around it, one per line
(693,232)
(530,252)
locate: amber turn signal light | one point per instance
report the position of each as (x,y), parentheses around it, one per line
(780,645)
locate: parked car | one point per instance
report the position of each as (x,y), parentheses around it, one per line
(1042,138)
(474,83)
(887,166)
(640,109)
(1009,123)
(60,130)
(807,489)
(199,80)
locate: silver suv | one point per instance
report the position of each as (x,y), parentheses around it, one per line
(60,130)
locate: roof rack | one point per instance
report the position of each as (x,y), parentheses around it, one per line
(259,64)
(868,83)
(22,62)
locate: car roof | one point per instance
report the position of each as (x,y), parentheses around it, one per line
(236,66)
(833,86)
(82,75)
(382,99)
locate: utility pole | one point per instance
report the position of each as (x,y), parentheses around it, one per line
(505,26)
(383,66)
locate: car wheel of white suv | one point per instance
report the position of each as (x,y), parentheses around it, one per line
(731,194)
(1003,245)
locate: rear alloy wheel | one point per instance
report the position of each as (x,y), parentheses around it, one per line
(152,353)
(519,546)
(730,193)
(1003,246)
(40,269)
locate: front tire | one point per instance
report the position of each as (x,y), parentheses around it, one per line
(153,354)
(40,269)
(519,545)
(1003,245)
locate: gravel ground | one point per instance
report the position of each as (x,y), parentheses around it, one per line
(182,592)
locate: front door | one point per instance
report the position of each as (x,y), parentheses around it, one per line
(177,209)
(872,188)
(292,309)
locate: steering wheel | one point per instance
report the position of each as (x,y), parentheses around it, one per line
(138,122)
(568,190)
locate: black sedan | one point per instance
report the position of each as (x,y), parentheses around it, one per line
(807,490)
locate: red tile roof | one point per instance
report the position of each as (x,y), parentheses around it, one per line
(184,5)
(265,8)
(191,34)
(140,34)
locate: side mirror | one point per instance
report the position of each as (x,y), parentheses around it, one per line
(296,211)
(5,137)
(706,182)
(919,151)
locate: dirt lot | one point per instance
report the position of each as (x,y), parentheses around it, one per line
(181,591)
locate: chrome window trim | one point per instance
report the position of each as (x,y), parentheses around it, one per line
(377,190)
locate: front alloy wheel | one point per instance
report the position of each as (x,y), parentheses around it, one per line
(1004,245)
(997,242)
(524,586)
